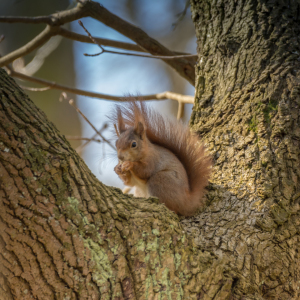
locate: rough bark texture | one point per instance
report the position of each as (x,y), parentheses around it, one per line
(64,235)
(248,110)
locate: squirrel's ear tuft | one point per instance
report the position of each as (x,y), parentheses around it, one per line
(140,129)
(116,130)
(122,127)
(120,119)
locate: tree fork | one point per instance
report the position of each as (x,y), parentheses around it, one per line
(65,235)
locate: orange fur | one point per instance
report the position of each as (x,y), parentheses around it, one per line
(178,139)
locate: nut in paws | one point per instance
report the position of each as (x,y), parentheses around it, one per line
(127,166)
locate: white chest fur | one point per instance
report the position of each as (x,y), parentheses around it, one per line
(141,188)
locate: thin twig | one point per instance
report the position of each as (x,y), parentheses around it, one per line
(79,138)
(53,85)
(182,14)
(105,42)
(103,50)
(46,88)
(25,20)
(71,102)
(81,147)
(141,55)
(180,110)
(55,19)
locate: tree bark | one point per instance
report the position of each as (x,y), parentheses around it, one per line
(65,235)
(248,111)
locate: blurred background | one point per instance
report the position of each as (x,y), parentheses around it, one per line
(62,61)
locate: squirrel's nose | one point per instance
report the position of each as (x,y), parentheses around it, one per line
(121,156)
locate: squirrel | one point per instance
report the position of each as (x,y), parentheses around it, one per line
(160,158)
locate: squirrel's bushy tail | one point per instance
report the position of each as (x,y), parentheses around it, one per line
(176,137)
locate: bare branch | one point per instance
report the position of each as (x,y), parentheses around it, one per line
(40,56)
(182,14)
(183,65)
(53,85)
(26,20)
(180,110)
(81,147)
(56,19)
(71,102)
(141,55)
(103,50)
(105,42)
(172,96)
(53,21)
(38,41)
(79,138)
(89,35)
(63,88)
(46,88)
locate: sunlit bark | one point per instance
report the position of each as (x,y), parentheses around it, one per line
(248,111)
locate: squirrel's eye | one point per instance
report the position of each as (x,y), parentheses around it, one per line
(133,145)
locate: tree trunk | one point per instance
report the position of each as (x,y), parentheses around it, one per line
(248,111)
(64,235)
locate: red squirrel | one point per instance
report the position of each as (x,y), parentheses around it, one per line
(161,158)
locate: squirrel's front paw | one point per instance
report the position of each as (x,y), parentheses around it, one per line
(127,166)
(118,168)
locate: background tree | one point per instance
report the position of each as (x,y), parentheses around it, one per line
(64,235)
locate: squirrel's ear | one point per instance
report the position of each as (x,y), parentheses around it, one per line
(140,129)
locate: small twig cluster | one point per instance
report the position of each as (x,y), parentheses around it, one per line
(64,96)
(127,53)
